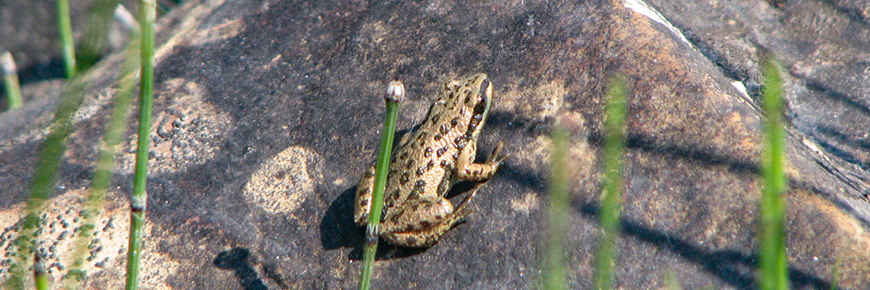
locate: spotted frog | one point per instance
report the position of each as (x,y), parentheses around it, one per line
(428,162)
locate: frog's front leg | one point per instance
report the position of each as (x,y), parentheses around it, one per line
(466,169)
(425,234)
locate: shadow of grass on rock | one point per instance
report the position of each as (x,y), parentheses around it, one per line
(734,267)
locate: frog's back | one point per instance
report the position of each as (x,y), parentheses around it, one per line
(424,163)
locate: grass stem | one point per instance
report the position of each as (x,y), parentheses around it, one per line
(67,44)
(611,202)
(10,79)
(95,39)
(39,274)
(138,200)
(554,263)
(394,96)
(773,259)
(105,164)
(43,185)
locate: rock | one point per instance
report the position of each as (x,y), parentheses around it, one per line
(267,113)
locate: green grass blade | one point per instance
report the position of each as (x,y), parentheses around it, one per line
(105,164)
(10,79)
(394,96)
(66,38)
(773,259)
(554,262)
(43,184)
(138,200)
(95,38)
(671,281)
(39,274)
(611,202)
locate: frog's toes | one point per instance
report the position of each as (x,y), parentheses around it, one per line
(496,155)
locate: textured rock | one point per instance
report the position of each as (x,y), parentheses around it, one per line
(267,113)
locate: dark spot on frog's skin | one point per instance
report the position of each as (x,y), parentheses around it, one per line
(438,138)
(409,164)
(444,129)
(425,224)
(434,120)
(390,200)
(441,151)
(473,124)
(445,164)
(463,111)
(454,121)
(415,194)
(467,99)
(369,172)
(422,138)
(421,170)
(456,156)
(430,164)
(427,152)
(404,156)
(411,241)
(438,216)
(420,183)
(444,186)
(405,178)
(364,202)
(459,142)
(480,108)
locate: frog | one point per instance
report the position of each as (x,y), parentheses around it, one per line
(428,162)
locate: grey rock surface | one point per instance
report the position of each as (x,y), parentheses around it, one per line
(266,114)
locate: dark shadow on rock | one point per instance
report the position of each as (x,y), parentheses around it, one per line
(734,267)
(386,251)
(337,229)
(237,260)
(834,136)
(649,144)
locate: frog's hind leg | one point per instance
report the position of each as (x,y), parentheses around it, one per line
(362,204)
(425,233)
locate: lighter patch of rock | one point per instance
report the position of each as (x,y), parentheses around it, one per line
(641,7)
(526,204)
(281,183)
(187,131)
(106,254)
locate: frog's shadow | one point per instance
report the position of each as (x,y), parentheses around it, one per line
(337,229)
